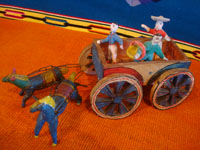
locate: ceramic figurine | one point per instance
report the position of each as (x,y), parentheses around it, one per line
(158,27)
(29,84)
(51,107)
(112,39)
(151,48)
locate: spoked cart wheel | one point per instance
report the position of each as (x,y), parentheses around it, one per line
(85,61)
(116,96)
(172,88)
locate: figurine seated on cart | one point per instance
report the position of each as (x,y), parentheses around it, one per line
(151,47)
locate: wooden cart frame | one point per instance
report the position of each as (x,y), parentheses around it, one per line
(118,92)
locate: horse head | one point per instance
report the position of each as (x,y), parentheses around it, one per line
(16,79)
(39,104)
(10,77)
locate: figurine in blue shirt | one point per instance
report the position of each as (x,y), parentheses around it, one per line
(112,39)
(151,48)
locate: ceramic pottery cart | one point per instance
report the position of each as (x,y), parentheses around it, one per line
(119,91)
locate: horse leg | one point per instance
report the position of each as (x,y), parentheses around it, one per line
(53,130)
(79,99)
(21,92)
(61,109)
(75,95)
(39,125)
(28,94)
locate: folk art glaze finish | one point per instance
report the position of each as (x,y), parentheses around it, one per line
(51,107)
(28,84)
(119,91)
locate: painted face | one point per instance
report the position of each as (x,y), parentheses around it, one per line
(159,25)
(156,39)
(113,27)
(21,81)
(12,77)
(9,78)
(5,79)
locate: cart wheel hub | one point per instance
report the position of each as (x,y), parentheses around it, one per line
(118,99)
(173,90)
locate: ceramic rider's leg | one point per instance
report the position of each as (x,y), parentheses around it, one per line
(39,125)
(53,130)
(160,44)
(109,53)
(113,49)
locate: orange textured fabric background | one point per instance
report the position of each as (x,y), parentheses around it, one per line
(29,46)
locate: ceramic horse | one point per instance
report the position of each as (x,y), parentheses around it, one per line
(51,107)
(40,81)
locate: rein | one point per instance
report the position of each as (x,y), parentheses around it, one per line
(51,67)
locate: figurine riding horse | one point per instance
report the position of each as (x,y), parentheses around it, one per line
(51,107)
(37,82)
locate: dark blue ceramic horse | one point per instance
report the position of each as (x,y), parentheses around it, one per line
(51,107)
(40,81)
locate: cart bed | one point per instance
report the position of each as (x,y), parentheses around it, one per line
(146,71)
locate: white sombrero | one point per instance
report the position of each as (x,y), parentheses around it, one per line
(160,18)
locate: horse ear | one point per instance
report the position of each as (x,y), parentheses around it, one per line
(14,70)
(12,78)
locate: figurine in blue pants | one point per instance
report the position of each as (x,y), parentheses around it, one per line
(112,39)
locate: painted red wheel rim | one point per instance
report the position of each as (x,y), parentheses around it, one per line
(112,101)
(173,90)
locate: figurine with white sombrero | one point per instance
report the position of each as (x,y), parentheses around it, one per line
(158,27)
(152,47)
